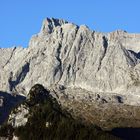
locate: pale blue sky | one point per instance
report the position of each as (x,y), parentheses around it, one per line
(20,19)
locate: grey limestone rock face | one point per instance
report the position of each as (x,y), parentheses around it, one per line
(75,57)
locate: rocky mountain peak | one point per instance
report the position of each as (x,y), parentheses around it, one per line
(91,74)
(74,57)
(50,23)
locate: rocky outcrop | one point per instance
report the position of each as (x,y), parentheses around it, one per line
(19,116)
(8,102)
(74,57)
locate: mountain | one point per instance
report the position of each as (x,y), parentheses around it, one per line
(94,76)
(65,54)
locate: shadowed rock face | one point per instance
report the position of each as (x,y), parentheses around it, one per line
(66,54)
(8,102)
(127,133)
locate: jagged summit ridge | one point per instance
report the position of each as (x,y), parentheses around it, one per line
(50,23)
(75,57)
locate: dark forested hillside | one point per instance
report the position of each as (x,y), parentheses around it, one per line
(47,121)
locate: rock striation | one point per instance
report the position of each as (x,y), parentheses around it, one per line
(72,56)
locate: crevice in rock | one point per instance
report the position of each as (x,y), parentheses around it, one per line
(72,44)
(68,70)
(12,53)
(105,45)
(62,63)
(59,67)
(75,68)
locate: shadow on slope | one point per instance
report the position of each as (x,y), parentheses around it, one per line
(127,133)
(137,55)
(9,102)
(46,120)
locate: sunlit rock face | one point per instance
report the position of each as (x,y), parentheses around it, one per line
(74,56)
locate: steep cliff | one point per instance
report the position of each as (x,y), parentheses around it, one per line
(65,54)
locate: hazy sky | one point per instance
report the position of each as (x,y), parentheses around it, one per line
(20,19)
